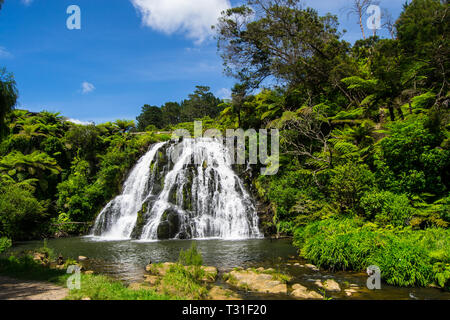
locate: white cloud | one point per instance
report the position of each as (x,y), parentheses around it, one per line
(5,53)
(193,18)
(87,87)
(224,93)
(76,121)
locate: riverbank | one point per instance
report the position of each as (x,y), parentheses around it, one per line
(120,266)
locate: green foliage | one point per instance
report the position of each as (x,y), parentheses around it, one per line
(184,282)
(338,244)
(202,103)
(403,263)
(405,257)
(95,287)
(5,244)
(98,287)
(8,97)
(24,267)
(348,183)
(20,212)
(48,252)
(191,257)
(386,208)
(436,214)
(411,161)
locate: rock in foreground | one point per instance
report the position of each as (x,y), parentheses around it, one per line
(256,281)
(303,293)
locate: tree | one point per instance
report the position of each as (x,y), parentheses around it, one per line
(38,166)
(238,95)
(150,115)
(423,29)
(125,125)
(279,40)
(202,103)
(171,113)
(359,8)
(8,97)
(306,133)
(389,23)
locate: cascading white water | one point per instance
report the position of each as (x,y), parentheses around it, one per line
(182,190)
(118,218)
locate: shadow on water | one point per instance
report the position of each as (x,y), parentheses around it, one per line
(126,261)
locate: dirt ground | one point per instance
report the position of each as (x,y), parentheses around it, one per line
(14,289)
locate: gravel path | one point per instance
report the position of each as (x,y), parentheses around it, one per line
(14,289)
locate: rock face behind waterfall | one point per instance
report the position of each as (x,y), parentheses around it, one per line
(181,190)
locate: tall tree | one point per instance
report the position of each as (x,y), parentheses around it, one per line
(282,41)
(171,113)
(201,103)
(359,8)
(8,98)
(150,115)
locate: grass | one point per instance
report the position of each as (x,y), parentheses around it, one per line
(98,287)
(184,283)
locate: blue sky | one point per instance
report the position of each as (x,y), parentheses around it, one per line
(128,52)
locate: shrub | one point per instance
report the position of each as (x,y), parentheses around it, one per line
(5,244)
(348,184)
(24,267)
(338,244)
(405,257)
(20,212)
(403,263)
(386,208)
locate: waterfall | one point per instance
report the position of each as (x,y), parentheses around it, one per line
(118,219)
(181,190)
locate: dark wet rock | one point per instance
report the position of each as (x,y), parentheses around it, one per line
(169,226)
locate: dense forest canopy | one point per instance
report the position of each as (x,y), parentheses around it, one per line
(364,129)
(202,103)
